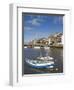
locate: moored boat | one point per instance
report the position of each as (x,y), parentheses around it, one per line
(41,62)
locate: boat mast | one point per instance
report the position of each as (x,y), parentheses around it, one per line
(40,52)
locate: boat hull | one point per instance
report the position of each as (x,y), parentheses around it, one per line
(49,65)
(46,66)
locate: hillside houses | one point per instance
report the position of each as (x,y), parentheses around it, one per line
(53,40)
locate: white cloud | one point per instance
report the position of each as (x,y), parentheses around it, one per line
(27,28)
(36,20)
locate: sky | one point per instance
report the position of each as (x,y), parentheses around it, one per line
(39,26)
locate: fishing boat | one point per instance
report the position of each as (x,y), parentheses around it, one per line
(41,61)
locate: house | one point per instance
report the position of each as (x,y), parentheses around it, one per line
(53,40)
(56,39)
(43,41)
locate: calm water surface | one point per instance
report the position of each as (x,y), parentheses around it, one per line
(56,53)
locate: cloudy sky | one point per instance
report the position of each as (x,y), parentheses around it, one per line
(39,26)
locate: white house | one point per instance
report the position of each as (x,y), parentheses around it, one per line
(49,41)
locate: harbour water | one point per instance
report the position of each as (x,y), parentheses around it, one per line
(56,53)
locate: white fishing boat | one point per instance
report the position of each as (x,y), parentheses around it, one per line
(41,62)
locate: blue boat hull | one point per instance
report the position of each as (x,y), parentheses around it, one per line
(45,66)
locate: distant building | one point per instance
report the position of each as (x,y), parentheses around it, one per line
(43,41)
(55,39)
(49,40)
